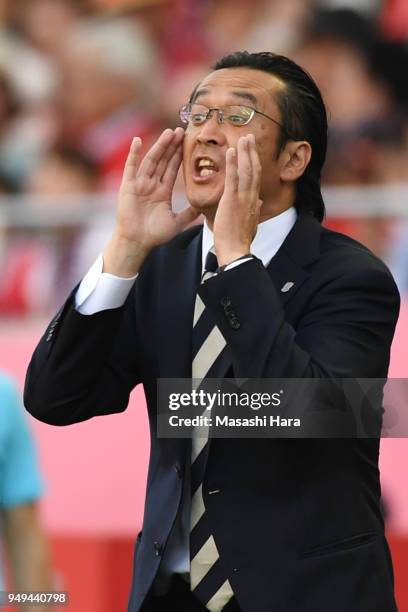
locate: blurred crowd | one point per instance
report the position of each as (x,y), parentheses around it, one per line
(80,78)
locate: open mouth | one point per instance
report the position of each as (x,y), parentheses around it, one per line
(205,167)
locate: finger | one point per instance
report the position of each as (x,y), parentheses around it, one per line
(148,166)
(172,168)
(132,161)
(244,165)
(255,163)
(186,216)
(169,154)
(231,171)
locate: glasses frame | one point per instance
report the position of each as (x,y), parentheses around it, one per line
(220,115)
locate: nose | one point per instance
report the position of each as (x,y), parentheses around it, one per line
(211,131)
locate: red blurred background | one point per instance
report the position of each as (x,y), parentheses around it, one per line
(80,78)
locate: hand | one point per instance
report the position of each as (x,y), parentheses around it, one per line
(145,217)
(237,217)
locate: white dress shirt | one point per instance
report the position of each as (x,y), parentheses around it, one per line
(100,291)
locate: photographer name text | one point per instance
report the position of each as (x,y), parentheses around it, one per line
(227,421)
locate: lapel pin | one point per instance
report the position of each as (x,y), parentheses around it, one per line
(287,286)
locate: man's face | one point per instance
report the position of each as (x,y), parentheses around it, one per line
(210,140)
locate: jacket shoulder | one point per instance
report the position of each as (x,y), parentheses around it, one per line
(348,254)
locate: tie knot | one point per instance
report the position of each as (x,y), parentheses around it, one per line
(211,263)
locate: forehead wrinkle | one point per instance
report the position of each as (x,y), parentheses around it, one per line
(199,92)
(245,95)
(241,95)
(272,85)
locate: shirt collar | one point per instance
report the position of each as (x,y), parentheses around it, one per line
(268,239)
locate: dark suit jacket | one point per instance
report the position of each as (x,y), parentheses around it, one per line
(297,521)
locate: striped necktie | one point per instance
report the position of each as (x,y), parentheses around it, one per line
(208,580)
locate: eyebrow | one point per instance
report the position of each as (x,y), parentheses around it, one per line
(243,95)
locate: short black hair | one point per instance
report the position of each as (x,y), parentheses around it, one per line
(303,117)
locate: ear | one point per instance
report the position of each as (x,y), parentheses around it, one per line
(295,159)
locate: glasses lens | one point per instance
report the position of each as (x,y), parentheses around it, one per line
(198,114)
(184,113)
(238,115)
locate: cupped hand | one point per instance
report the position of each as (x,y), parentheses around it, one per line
(237,217)
(145,218)
(145,214)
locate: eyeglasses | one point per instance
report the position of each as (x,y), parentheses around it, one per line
(197,114)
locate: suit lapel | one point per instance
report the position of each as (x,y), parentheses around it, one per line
(286,275)
(178,287)
(288,268)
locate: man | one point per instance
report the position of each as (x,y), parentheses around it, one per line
(282,525)
(23,539)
